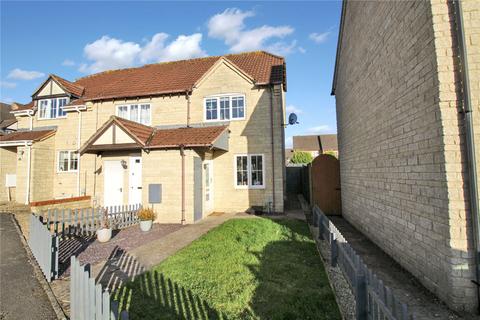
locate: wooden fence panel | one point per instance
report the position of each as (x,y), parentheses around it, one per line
(44,247)
(88,301)
(374,300)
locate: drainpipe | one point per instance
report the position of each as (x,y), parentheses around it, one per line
(79,132)
(273,148)
(188,108)
(29,164)
(182,154)
(30,113)
(470,143)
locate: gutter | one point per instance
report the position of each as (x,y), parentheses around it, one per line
(29,168)
(470,142)
(79,136)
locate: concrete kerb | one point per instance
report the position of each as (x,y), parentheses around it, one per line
(39,275)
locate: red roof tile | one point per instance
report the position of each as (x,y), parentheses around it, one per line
(20,107)
(138,130)
(188,137)
(72,88)
(34,135)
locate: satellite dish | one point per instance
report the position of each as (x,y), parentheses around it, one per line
(292,119)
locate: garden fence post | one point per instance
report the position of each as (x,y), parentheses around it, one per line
(360,296)
(333,249)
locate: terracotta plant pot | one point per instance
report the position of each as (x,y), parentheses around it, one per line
(145,225)
(104,235)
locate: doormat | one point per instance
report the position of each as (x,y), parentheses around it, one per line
(216,214)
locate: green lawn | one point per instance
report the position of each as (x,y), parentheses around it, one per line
(243,269)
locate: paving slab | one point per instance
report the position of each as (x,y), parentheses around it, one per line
(21,293)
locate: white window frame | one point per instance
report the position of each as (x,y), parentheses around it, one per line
(69,161)
(129,106)
(49,106)
(249,171)
(230,96)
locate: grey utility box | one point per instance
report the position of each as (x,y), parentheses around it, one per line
(155,193)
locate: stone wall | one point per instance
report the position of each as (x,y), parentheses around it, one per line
(400,139)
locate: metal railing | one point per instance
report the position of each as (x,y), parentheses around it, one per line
(88,300)
(373,299)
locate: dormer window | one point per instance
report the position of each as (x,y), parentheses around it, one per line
(52,108)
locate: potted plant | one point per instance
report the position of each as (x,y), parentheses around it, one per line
(104,234)
(146,217)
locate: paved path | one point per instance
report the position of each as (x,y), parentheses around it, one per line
(21,294)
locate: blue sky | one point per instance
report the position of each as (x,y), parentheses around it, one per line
(72,39)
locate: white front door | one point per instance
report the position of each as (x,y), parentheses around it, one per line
(208,174)
(113,183)
(135,181)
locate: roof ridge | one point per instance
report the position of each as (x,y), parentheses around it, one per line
(177,61)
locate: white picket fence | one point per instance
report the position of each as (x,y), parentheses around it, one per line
(374,300)
(44,246)
(89,301)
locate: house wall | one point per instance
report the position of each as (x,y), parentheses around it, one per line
(247,136)
(8,165)
(400,140)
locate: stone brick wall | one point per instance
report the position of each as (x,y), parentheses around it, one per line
(400,138)
(8,165)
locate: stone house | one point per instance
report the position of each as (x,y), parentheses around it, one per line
(407,88)
(187,137)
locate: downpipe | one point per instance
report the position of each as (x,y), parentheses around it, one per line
(469,141)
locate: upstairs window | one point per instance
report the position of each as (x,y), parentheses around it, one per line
(52,108)
(224,108)
(249,171)
(135,112)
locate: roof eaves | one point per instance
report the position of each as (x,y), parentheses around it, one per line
(339,46)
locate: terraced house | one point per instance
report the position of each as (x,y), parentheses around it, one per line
(187,137)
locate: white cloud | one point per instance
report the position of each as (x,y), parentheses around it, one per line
(7,84)
(24,74)
(320,37)
(302,49)
(229,26)
(110,53)
(68,63)
(319,129)
(184,47)
(293,109)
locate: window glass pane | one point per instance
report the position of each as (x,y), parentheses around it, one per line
(224,108)
(211,109)
(257,170)
(43,108)
(238,107)
(61,102)
(134,112)
(145,114)
(242,171)
(73,161)
(123,112)
(63,161)
(53,108)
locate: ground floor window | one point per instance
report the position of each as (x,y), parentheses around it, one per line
(249,171)
(67,161)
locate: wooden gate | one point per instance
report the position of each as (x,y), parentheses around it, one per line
(325,179)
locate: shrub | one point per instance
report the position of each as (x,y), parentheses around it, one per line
(301,157)
(146,214)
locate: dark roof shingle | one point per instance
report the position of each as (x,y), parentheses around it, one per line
(325,142)
(34,135)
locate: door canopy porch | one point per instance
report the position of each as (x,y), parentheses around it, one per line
(21,138)
(121,134)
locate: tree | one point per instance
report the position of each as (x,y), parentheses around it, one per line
(301,157)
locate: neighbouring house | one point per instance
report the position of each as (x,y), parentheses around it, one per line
(8,123)
(316,144)
(187,137)
(407,88)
